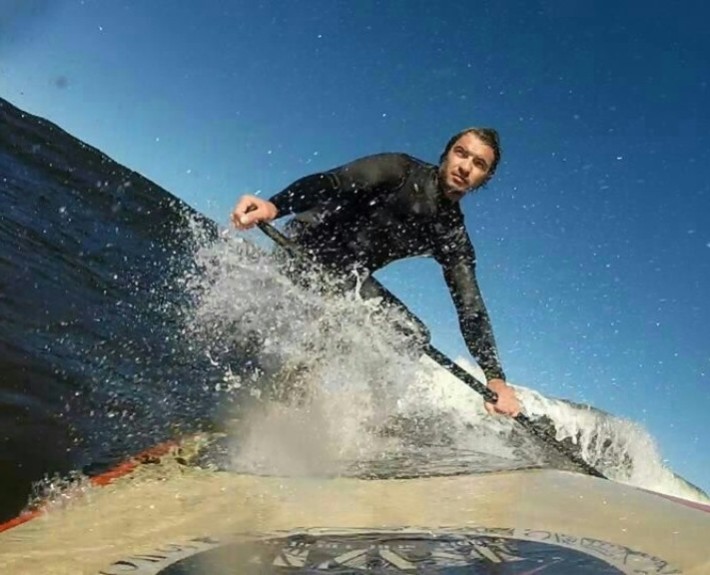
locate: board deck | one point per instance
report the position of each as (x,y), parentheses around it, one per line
(201,521)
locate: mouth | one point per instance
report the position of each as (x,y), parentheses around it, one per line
(458,180)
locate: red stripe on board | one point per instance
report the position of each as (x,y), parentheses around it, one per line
(121,470)
(686,502)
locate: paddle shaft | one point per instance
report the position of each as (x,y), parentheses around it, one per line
(444,361)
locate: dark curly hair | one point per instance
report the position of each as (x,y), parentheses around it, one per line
(488,136)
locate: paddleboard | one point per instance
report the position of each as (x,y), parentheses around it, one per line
(172,519)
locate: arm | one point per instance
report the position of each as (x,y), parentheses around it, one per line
(357,181)
(458,260)
(473,316)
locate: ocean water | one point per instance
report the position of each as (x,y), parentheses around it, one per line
(127,318)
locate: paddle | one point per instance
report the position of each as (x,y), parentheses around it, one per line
(445,362)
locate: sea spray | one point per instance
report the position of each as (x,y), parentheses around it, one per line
(337,356)
(324,383)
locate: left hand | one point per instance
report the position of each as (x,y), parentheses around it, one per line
(250,210)
(507,403)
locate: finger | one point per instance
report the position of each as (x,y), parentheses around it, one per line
(249,219)
(244,205)
(247,204)
(513,411)
(236,220)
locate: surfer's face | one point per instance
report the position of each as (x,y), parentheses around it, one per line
(466,166)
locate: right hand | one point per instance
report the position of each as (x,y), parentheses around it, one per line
(251,210)
(508,402)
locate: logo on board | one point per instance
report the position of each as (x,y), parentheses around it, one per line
(479,551)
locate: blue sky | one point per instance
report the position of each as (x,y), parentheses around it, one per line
(594,238)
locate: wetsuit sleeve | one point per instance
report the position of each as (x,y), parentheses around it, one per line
(358,180)
(459,265)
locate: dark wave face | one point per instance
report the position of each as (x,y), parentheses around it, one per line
(88,252)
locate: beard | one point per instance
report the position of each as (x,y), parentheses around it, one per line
(454,194)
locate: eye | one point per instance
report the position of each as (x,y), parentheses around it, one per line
(480,164)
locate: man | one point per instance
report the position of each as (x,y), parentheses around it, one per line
(386,207)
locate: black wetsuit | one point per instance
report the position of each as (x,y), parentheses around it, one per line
(386,207)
